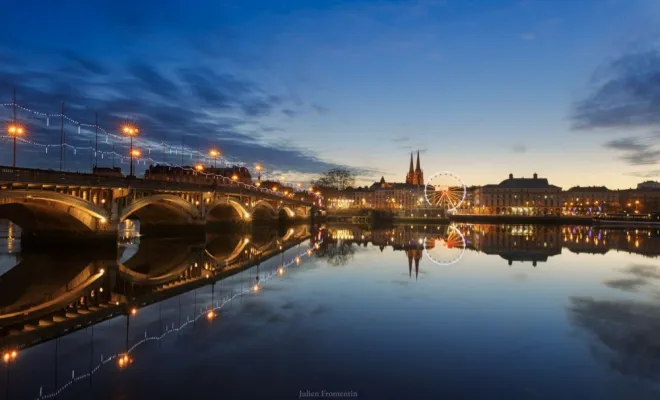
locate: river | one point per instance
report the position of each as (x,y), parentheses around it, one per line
(407,312)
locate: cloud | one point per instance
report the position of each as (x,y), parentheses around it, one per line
(190,102)
(624,93)
(152,81)
(519,148)
(643,271)
(289,113)
(644,157)
(624,334)
(627,284)
(646,174)
(528,36)
(320,109)
(626,144)
(638,150)
(401,139)
(85,63)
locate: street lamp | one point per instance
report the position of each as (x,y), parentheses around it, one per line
(199,167)
(134,154)
(131,131)
(15,130)
(214,155)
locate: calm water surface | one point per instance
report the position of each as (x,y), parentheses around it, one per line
(524,312)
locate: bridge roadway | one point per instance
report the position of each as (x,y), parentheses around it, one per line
(50,204)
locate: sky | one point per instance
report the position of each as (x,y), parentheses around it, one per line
(568,89)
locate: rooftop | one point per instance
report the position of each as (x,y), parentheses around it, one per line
(588,189)
(524,183)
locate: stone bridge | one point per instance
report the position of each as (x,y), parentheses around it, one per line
(51,204)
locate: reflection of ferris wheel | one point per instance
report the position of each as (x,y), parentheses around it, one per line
(445,190)
(445,249)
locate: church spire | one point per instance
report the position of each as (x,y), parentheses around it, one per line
(418,167)
(411,164)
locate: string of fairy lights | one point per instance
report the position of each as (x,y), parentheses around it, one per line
(171,149)
(138,157)
(124,359)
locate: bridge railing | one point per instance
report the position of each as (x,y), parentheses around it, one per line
(29,175)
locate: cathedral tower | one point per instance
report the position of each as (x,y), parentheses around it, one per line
(419,174)
(415,175)
(410,176)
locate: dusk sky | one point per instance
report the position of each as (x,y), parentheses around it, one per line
(569,89)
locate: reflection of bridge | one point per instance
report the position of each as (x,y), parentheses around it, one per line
(39,299)
(50,203)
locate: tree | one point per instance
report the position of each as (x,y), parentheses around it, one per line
(336,178)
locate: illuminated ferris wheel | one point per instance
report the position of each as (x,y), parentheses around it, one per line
(445,190)
(447,248)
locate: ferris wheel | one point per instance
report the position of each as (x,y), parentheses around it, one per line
(445,190)
(447,248)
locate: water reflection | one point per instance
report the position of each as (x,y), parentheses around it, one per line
(154,291)
(532,244)
(10,245)
(53,289)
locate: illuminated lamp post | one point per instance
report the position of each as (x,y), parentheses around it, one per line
(15,130)
(214,155)
(130,131)
(258,167)
(134,153)
(199,167)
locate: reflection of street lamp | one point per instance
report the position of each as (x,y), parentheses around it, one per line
(15,130)
(9,357)
(130,131)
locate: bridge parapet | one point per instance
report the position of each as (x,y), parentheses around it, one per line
(27,176)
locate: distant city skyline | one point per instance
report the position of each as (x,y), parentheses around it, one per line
(483,89)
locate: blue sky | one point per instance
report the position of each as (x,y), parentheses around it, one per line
(568,89)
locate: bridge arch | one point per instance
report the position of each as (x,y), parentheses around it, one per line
(172,273)
(32,208)
(242,244)
(243,211)
(265,204)
(168,202)
(157,261)
(289,211)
